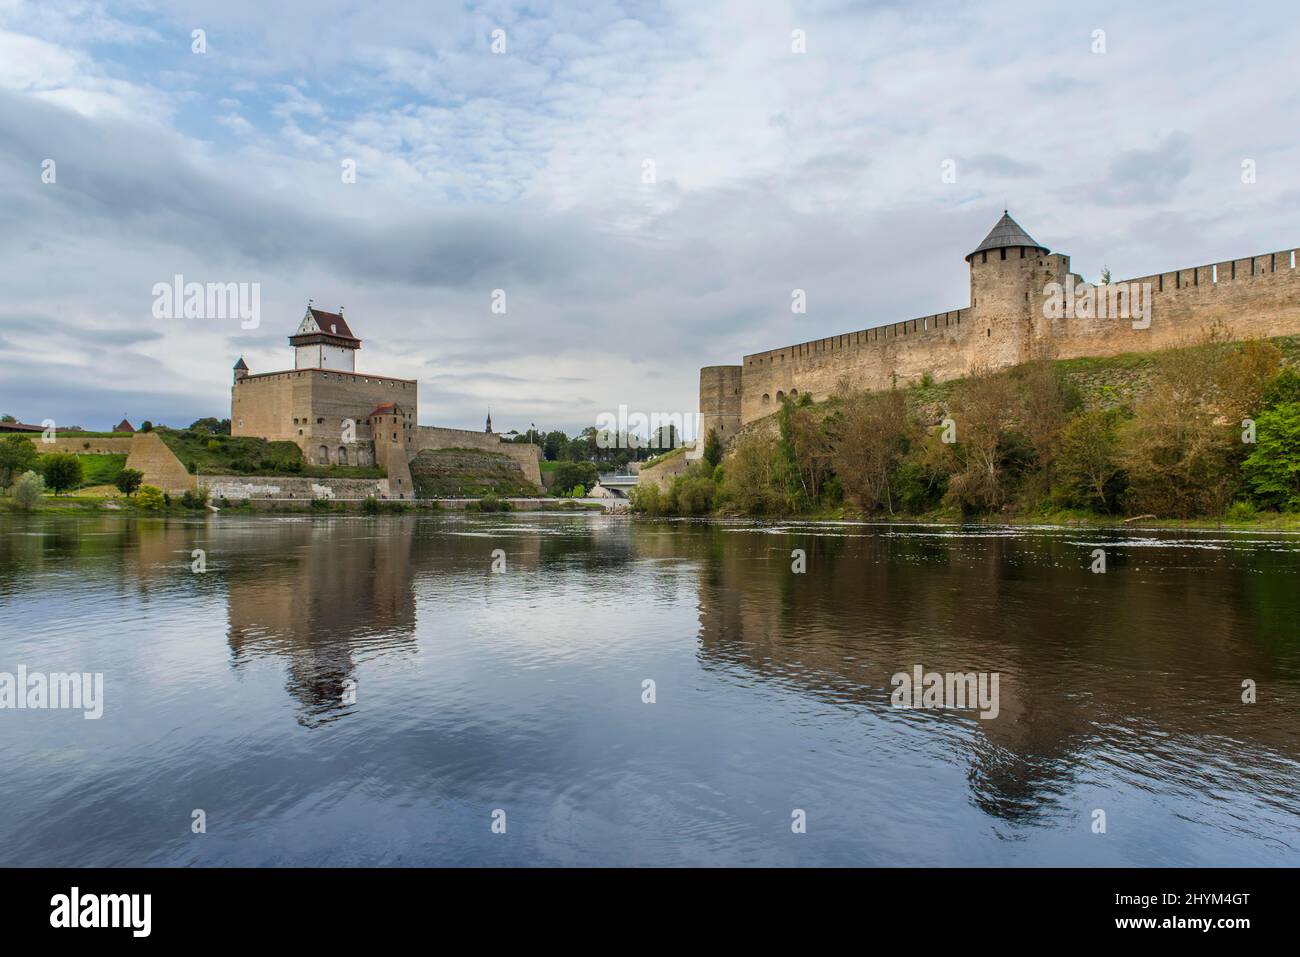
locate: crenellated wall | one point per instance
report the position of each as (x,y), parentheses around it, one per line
(1005,324)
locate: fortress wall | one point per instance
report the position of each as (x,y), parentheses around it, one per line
(1258,296)
(238,487)
(337,396)
(266,406)
(433,437)
(937,344)
(528,457)
(525,454)
(150,455)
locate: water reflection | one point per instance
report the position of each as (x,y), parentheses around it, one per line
(1122,688)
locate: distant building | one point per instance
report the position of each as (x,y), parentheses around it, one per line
(124,426)
(338,416)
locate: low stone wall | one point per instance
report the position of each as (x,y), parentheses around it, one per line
(525,454)
(664,473)
(259,487)
(69,442)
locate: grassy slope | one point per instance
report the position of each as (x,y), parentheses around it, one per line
(454,473)
(207,454)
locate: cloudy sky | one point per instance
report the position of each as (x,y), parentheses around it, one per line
(525,171)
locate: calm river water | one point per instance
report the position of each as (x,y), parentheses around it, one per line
(521,691)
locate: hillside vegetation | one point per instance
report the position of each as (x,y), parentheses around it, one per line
(1205,431)
(460,473)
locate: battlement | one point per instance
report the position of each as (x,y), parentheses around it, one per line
(1007,322)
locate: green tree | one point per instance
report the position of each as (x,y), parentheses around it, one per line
(7,418)
(128,480)
(1089,473)
(570,474)
(28,490)
(553,447)
(1272,470)
(17,455)
(146,426)
(712,448)
(62,471)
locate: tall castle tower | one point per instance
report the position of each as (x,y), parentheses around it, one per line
(324,341)
(1007,273)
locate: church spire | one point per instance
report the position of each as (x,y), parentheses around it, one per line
(489,420)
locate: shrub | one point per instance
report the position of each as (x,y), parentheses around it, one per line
(370,505)
(150,498)
(128,480)
(28,490)
(62,471)
(195,498)
(321,505)
(752,479)
(1241,512)
(692,493)
(646,499)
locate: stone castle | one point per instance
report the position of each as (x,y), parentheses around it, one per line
(1008,322)
(339,416)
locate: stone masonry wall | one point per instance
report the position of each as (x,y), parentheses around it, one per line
(239,487)
(1258,296)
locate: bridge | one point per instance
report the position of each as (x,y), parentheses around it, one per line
(618,485)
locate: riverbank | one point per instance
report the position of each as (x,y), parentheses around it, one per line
(99,505)
(116,504)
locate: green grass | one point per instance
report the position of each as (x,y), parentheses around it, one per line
(101,469)
(680,450)
(205,454)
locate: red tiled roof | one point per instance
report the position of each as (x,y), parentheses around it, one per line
(124,426)
(385,408)
(332,324)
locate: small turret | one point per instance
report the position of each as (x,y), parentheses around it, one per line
(241,369)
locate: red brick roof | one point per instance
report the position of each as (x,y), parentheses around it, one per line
(332,324)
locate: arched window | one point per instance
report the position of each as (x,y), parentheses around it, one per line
(323,456)
(793,393)
(766,398)
(343,456)
(780,396)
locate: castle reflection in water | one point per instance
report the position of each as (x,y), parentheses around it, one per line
(1099,674)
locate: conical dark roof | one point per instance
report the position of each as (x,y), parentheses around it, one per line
(1006,233)
(241,364)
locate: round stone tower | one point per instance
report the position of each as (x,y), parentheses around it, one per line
(1007,274)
